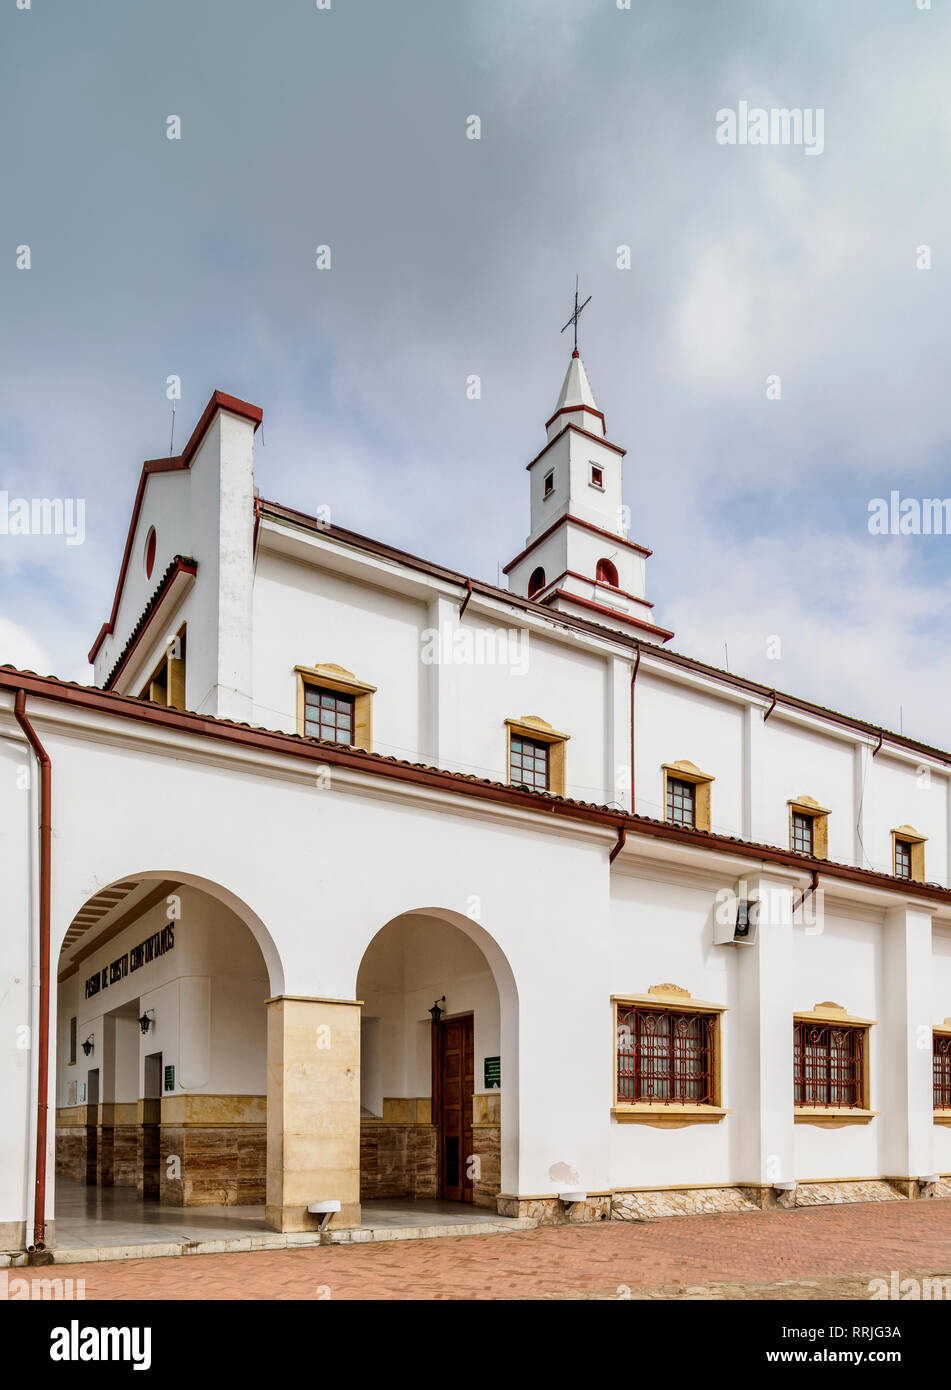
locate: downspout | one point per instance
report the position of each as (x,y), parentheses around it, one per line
(621,838)
(808,892)
(43,1042)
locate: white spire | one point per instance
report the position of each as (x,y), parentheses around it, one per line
(576,388)
(576,404)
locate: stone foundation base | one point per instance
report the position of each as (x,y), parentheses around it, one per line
(703,1201)
(648,1206)
(817,1194)
(551,1211)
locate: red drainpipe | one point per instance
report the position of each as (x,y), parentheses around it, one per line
(43,1049)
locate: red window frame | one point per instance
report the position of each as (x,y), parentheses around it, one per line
(941,1069)
(829,1065)
(681,802)
(666,1056)
(329,714)
(529,763)
(903,858)
(803,833)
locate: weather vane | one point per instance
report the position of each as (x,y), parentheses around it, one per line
(577,314)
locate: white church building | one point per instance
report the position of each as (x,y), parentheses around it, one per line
(353,877)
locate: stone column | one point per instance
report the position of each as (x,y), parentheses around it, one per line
(908,1101)
(313,1110)
(762,1029)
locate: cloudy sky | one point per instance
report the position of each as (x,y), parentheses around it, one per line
(454,257)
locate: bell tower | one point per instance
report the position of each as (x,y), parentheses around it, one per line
(577,557)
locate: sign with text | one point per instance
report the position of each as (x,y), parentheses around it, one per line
(492,1072)
(148,950)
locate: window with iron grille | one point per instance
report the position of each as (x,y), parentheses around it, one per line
(529,763)
(665,1055)
(803,837)
(681,802)
(942,1071)
(828,1065)
(903,859)
(328,715)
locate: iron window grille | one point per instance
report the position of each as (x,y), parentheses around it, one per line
(665,1056)
(942,1072)
(529,763)
(328,715)
(803,833)
(681,802)
(828,1065)
(903,859)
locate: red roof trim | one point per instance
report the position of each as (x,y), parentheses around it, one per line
(219,401)
(614,613)
(588,526)
(294,745)
(180,565)
(567,409)
(578,430)
(600,583)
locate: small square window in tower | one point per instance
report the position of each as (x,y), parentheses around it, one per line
(681,802)
(529,764)
(549,484)
(328,715)
(597,476)
(803,833)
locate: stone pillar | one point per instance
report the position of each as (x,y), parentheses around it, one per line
(908,1101)
(763,1029)
(313,1110)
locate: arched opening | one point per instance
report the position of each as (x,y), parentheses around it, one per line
(607,573)
(438,1090)
(537,582)
(161,1065)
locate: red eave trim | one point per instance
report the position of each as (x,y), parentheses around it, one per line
(578,430)
(219,401)
(600,583)
(588,526)
(567,410)
(293,745)
(178,566)
(614,613)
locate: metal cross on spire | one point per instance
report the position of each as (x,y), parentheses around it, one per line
(577,314)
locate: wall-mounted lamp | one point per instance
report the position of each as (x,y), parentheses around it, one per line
(436,1011)
(147,1019)
(89,1044)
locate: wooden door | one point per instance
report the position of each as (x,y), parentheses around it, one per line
(454,1086)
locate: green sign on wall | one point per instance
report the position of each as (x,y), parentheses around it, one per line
(492,1072)
(169,1078)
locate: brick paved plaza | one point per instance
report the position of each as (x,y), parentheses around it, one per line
(813,1253)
